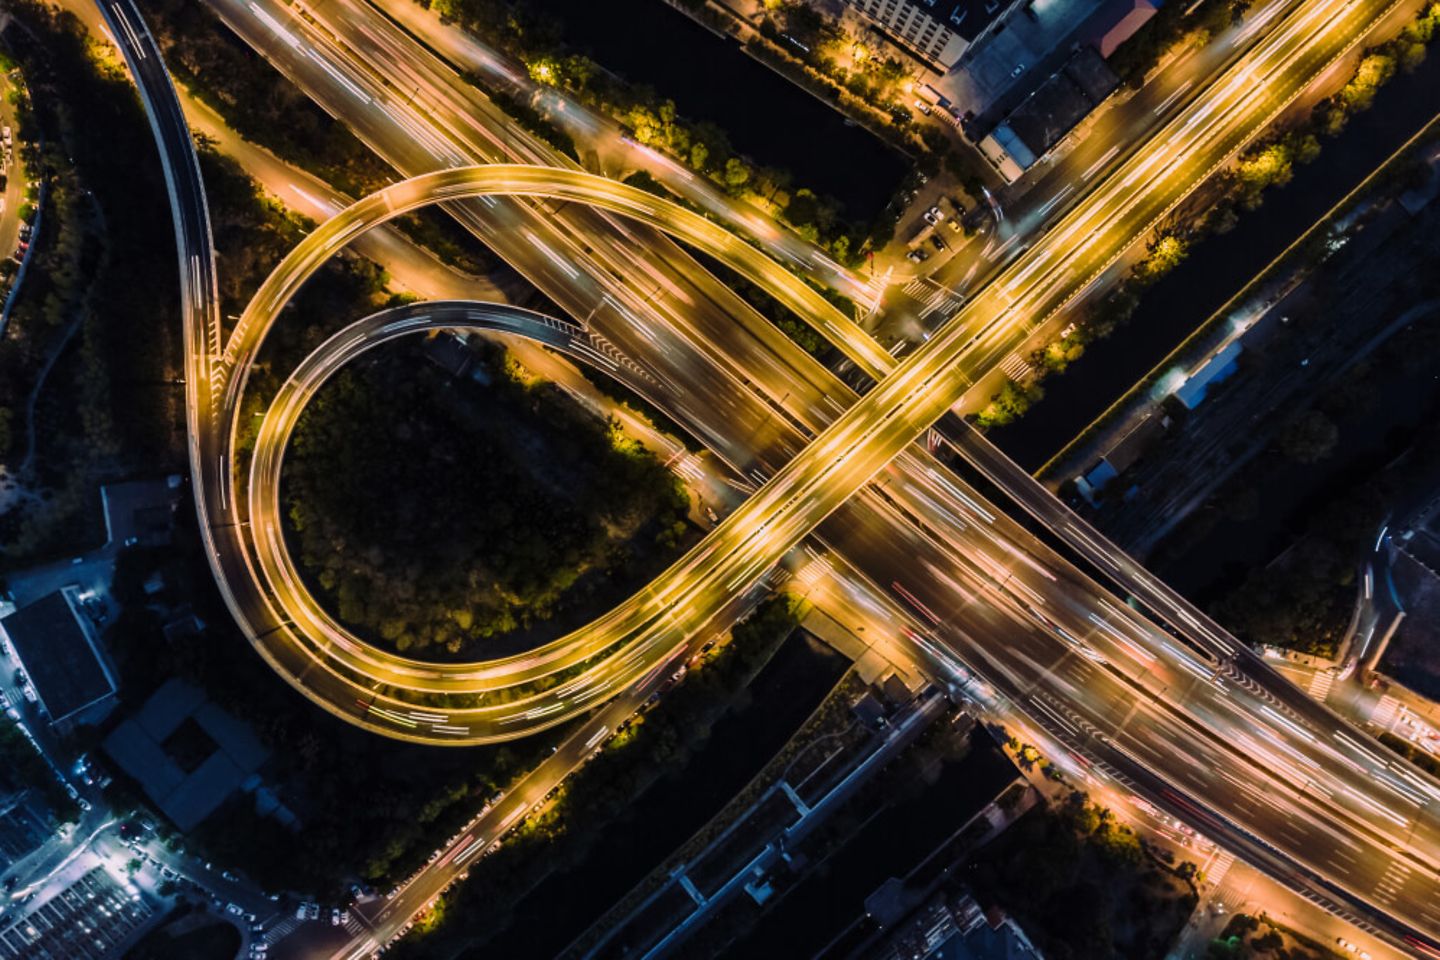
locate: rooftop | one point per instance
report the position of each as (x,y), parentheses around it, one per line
(56,644)
(1062,101)
(190,774)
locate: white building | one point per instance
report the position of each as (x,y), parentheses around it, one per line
(936,31)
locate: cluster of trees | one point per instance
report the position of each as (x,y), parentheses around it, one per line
(434,513)
(371,807)
(653,120)
(1303,601)
(1404,52)
(1215,210)
(185,937)
(655,743)
(536,122)
(265,108)
(817,41)
(107,405)
(804,335)
(1268,164)
(256,101)
(1275,942)
(1097,321)
(1174,24)
(1271,162)
(1081,884)
(1011,402)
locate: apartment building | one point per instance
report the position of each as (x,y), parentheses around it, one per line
(935,31)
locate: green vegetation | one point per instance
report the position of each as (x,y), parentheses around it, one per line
(98,291)
(434,512)
(1010,403)
(1082,885)
(655,743)
(1309,437)
(265,108)
(371,807)
(653,121)
(536,122)
(1377,66)
(21,765)
(1303,602)
(1277,941)
(805,336)
(1172,25)
(1215,209)
(831,727)
(816,40)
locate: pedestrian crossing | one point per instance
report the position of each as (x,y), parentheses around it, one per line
(688,467)
(1320,685)
(933,297)
(1396,876)
(818,568)
(1015,367)
(1384,713)
(917,288)
(1219,867)
(281,930)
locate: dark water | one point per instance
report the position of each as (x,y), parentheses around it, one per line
(1219,266)
(710,78)
(785,692)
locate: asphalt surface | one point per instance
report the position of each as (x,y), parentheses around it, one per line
(901,409)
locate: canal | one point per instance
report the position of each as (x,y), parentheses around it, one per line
(1217,268)
(765,116)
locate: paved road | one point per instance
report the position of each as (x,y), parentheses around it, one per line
(870,446)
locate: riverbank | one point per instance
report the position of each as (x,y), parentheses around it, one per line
(1179,302)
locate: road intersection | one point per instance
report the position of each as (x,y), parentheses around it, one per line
(879,427)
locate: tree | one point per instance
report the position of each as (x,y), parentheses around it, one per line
(737,174)
(1269,167)
(1166,252)
(1309,438)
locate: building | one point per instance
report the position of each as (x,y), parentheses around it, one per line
(1217,370)
(1122,455)
(1043,118)
(55,642)
(187,754)
(948,928)
(1117,22)
(937,32)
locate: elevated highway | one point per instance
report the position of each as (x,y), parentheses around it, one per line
(882,424)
